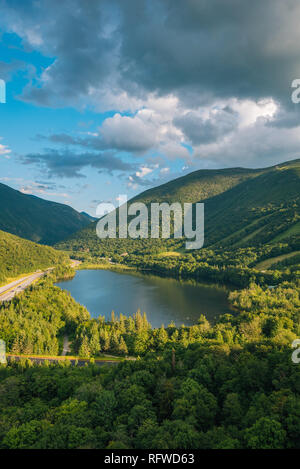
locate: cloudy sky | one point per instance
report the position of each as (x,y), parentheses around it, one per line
(113,97)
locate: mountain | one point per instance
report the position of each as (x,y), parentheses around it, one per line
(20,256)
(198,185)
(88,216)
(37,219)
(260,210)
(243,207)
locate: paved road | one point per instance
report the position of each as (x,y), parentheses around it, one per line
(80,362)
(10,290)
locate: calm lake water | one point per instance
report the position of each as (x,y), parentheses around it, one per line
(163,299)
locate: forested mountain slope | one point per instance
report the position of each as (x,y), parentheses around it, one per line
(242,208)
(37,219)
(19,256)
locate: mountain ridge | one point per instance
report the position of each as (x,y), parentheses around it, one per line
(39,220)
(246,206)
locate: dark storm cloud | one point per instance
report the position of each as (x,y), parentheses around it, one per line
(193,48)
(50,185)
(91,142)
(66,164)
(131,139)
(76,34)
(115,55)
(286,118)
(216,48)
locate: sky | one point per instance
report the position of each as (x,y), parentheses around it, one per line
(110,97)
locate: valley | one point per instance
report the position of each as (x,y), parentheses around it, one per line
(207,358)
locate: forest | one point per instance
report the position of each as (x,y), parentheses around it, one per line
(215,396)
(19,256)
(223,386)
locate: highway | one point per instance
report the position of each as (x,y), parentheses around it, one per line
(11,289)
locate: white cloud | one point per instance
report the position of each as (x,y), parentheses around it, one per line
(163,124)
(255,145)
(144,170)
(8,179)
(165,170)
(128,133)
(249,111)
(151,128)
(5,150)
(37,188)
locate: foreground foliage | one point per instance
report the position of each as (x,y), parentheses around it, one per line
(230,385)
(213,397)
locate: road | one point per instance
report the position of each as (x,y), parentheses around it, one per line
(11,289)
(79,361)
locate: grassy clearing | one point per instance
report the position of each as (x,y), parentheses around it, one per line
(169,254)
(266,264)
(243,232)
(292,231)
(248,237)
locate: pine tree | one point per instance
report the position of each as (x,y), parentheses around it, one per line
(94,340)
(123,347)
(84,350)
(16,347)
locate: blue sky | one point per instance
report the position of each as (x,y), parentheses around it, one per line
(110,97)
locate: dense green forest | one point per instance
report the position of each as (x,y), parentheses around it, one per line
(36,219)
(211,396)
(34,321)
(19,256)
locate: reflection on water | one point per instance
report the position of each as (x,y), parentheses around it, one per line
(163,299)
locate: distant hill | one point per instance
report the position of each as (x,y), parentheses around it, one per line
(20,256)
(243,207)
(36,219)
(88,216)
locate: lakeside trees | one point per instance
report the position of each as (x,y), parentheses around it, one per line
(262,314)
(34,321)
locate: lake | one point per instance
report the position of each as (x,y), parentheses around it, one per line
(163,299)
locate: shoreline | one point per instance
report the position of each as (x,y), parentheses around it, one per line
(121,268)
